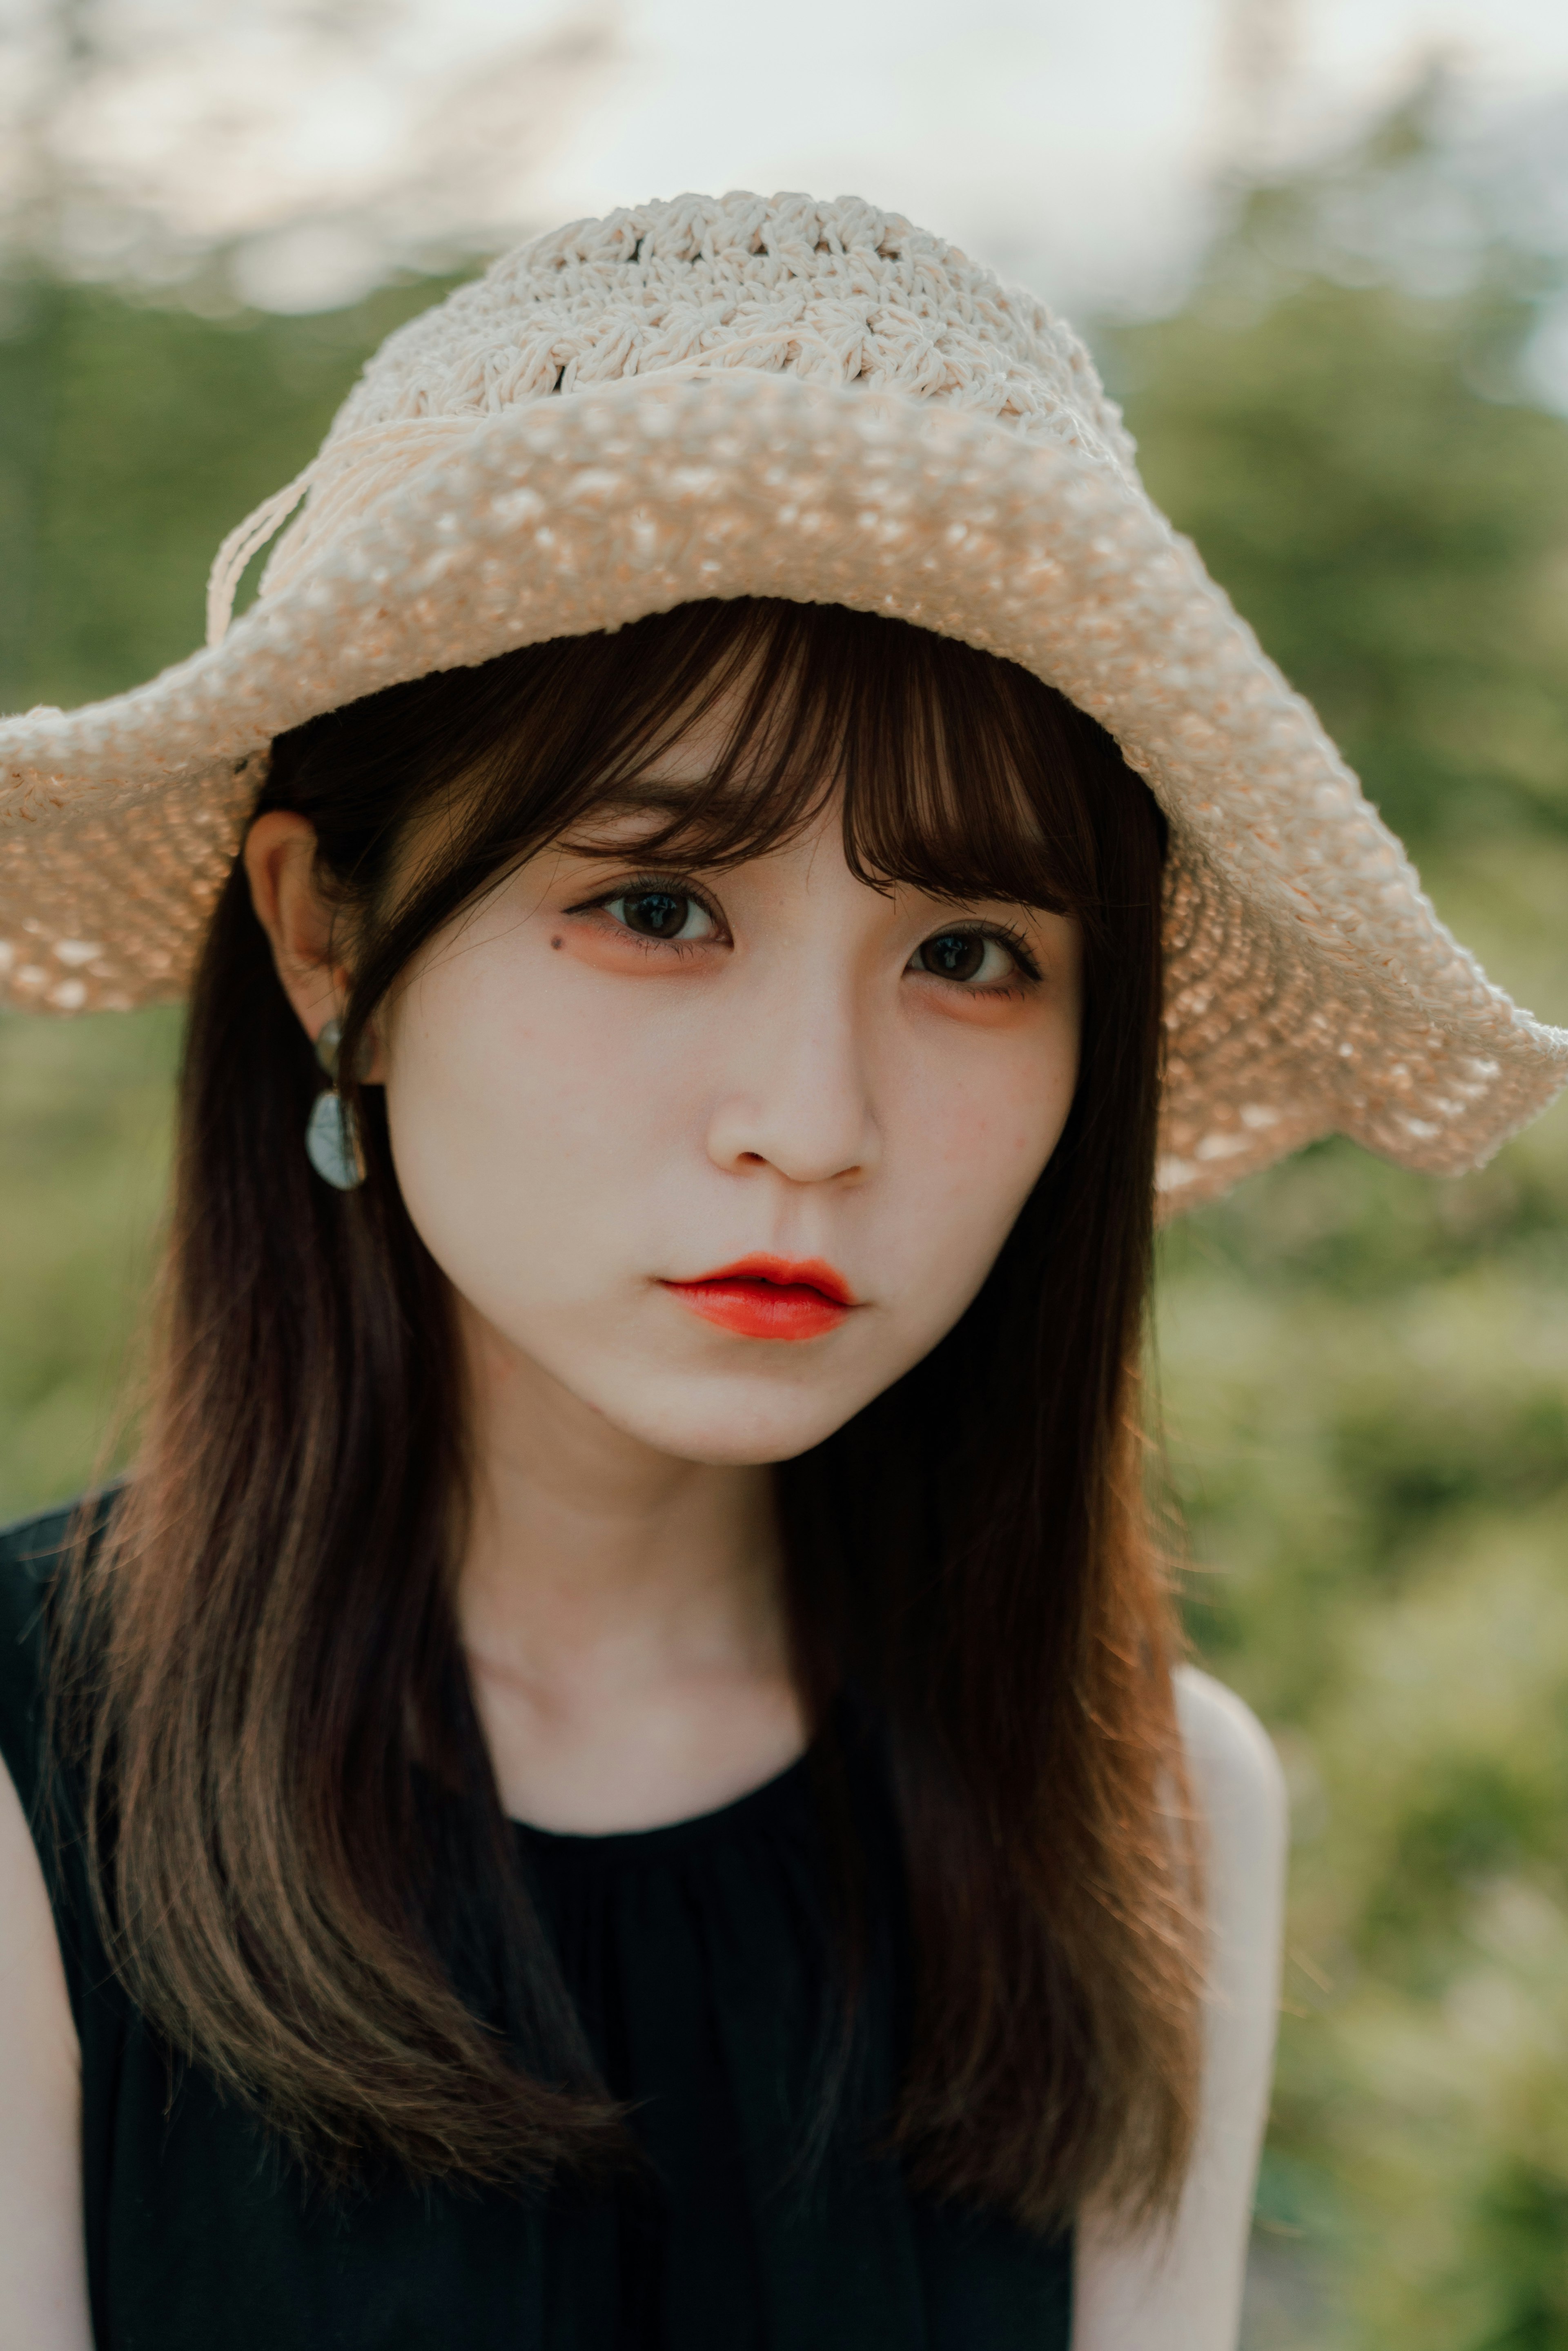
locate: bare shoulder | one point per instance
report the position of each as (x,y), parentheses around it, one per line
(44,2306)
(1238,1790)
(1236,1776)
(43,2268)
(1181,2291)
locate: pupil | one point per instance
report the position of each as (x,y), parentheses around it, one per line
(957,954)
(657,913)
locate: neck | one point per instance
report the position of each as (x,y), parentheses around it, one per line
(622,1610)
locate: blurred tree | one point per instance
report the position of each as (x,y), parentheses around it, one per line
(1361,468)
(132,434)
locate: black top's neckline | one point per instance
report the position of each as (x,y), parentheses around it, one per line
(759,1808)
(699,1965)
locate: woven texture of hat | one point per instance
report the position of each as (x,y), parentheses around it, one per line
(817,400)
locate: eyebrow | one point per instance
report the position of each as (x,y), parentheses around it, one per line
(675,796)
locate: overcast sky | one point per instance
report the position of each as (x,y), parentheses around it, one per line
(1073,145)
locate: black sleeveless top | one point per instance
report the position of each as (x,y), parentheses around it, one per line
(695,1956)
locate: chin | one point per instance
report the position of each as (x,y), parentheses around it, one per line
(733,1429)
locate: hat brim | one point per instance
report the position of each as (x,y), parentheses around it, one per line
(1310,988)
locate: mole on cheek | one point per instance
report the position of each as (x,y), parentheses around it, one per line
(556,943)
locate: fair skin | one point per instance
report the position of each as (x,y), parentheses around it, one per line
(599,1088)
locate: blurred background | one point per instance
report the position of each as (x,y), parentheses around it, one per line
(1320,248)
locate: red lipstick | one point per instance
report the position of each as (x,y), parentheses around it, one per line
(769,1297)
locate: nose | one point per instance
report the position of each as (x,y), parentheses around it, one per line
(796,1097)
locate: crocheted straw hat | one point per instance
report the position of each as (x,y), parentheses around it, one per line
(819,402)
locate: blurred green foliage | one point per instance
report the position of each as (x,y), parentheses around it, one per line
(132,436)
(1364,1375)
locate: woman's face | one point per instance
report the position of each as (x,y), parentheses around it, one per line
(614,1081)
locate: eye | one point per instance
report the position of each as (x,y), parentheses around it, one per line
(968,956)
(655,912)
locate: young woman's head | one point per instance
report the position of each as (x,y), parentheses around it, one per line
(777,957)
(756,939)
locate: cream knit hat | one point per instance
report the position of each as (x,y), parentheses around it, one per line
(780,397)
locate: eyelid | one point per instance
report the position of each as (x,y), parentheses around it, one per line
(1018,947)
(627,886)
(1005,934)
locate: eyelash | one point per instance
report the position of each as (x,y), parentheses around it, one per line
(1005,936)
(634,885)
(676,885)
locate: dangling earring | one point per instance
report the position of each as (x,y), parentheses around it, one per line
(332,1135)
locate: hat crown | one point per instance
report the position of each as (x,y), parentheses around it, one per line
(837,293)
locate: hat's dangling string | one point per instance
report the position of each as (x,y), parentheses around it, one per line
(343,479)
(403,444)
(247,538)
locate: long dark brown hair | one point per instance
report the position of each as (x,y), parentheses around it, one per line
(292,1807)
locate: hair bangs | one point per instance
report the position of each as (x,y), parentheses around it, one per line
(739,722)
(956,780)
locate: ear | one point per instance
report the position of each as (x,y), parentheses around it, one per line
(298,918)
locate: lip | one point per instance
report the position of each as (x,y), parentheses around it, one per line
(764,1297)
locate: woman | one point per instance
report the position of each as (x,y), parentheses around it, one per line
(613,1775)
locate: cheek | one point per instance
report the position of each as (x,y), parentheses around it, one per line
(523,1123)
(967,1146)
